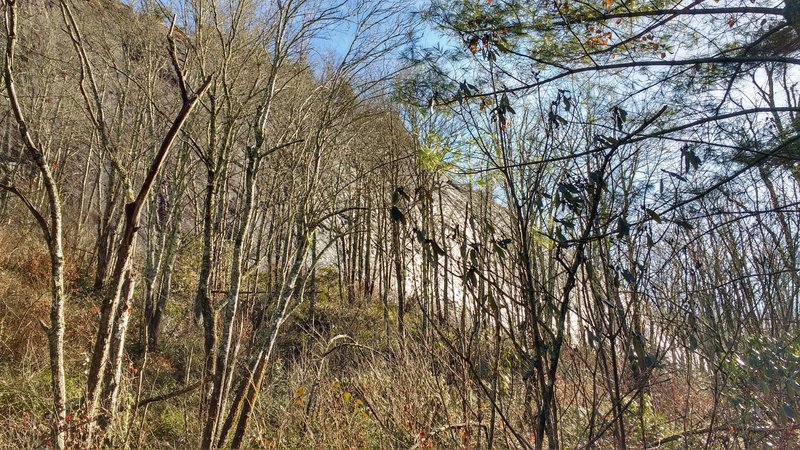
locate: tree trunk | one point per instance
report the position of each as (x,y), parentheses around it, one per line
(221,374)
(53,232)
(278,318)
(102,345)
(398,273)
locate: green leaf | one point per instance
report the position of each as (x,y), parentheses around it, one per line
(653,215)
(396,215)
(493,303)
(556,120)
(620,116)
(498,250)
(629,277)
(438,251)
(560,237)
(623,228)
(675,175)
(651,361)
(399,192)
(690,159)
(465,88)
(471,277)
(504,242)
(605,141)
(788,411)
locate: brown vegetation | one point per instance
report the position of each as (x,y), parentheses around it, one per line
(284,225)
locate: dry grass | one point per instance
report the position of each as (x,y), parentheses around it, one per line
(365,392)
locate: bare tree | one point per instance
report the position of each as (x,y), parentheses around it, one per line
(51,227)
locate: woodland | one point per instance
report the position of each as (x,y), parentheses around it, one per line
(369,224)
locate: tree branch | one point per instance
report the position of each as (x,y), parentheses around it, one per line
(38,216)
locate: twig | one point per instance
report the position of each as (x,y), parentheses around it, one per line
(39,218)
(169,395)
(448,427)
(738,429)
